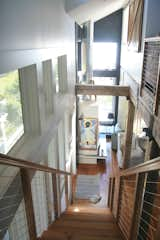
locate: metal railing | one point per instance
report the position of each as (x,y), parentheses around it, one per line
(33,197)
(138,203)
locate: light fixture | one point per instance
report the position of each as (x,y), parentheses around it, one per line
(76,209)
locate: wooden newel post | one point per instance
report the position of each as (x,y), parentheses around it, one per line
(118,199)
(27,193)
(129,134)
(138,203)
(66,190)
(109,193)
(55,195)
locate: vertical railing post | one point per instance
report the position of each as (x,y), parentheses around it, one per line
(59,193)
(138,203)
(55,195)
(73,187)
(66,190)
(27,193)
(112,192)
(109,192)
(118,200)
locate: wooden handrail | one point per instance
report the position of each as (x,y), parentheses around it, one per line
(148,166)
(15,162)
(89,89)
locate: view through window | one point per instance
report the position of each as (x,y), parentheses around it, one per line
(104,55)
(105,106)
(11,123)
(105,103)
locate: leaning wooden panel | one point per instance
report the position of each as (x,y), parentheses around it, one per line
(89,89)
(135,24)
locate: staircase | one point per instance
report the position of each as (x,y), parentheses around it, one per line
(83,222)
(133,198)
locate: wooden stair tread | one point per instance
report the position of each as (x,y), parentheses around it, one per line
(84,225)
(86,208)
(71,217)
(76,236)
(87,224)
(97,232)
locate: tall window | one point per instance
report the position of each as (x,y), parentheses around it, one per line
(104,55)
(11,122)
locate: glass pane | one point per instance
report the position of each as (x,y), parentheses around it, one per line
(11,123)
(109,81)
(104,55)
(105,106)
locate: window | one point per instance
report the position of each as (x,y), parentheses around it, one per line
(109,81)
(105,106)
(11,122)
(104,55)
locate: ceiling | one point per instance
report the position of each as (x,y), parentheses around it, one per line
(84,10)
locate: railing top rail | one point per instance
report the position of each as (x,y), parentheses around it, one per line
(89,89)
(148,166)
(15,162)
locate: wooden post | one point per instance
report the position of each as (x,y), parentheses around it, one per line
(129,133)
(157,233)
(118,200)
(109,192)
(27,193)
(112,192)
(73,179)
(66,190)
(59,194)
(138,204)
(55,195)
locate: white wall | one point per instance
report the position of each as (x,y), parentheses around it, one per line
(31,32)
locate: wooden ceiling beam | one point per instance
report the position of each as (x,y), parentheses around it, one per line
(89,89)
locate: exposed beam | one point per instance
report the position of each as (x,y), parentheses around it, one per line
(89,89)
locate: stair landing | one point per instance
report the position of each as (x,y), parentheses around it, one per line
(83,222)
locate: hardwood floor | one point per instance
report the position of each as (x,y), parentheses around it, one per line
(93,169)
(105,168)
